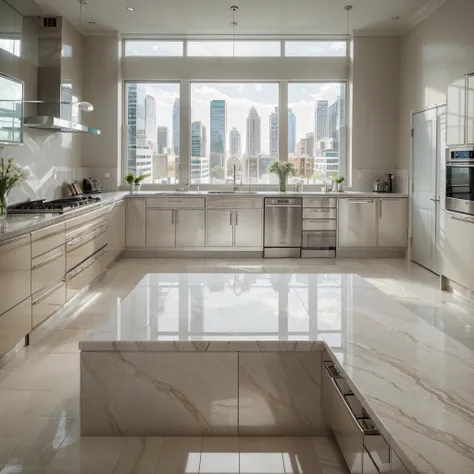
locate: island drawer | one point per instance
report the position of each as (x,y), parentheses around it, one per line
(319,224)
(319,213)
(319,202)
(175,203)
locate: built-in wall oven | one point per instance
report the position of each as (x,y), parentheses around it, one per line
(460,180)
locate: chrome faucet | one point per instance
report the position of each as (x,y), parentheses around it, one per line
(235,178)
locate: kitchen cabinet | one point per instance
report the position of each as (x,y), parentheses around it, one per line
(135,222)
(44,305)
(357,223)
(160,228)
(458,253)
(248,229)
(470,109)
(43,240)
(116,232)
(219,228)
(397,466)
(15,271)
(15,324)
(392,227)
(190,227)
(456,111)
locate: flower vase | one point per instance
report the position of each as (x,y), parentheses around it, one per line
(282,184)
(339,187)
(3,205)
(137,187)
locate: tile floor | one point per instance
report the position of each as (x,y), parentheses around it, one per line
(39,388)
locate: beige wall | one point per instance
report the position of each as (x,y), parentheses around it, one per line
(102,88)
(434,53)
(375,72)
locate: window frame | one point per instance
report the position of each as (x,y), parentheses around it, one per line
(315,41)
(144,40)
(236,41)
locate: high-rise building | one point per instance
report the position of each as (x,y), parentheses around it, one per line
(253,133)
(137,139)
(273,126)
(150,119)
(321,119)
(218,133)
(198,139)
(176,127)
(162,139)
(342,107)
(333,123)
(309,144)
(235,142)
(291,131)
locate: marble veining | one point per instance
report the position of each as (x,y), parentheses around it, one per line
(415,381)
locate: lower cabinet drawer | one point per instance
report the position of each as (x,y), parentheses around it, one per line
(47,303)
(319,224)
(14,325)
(320,213)
(321,239)
(84,274)
(47,269)
(78,250)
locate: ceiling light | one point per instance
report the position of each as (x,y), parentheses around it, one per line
(394,18)
(130,9)
(91,22)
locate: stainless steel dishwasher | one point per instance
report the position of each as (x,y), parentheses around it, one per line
(283,227)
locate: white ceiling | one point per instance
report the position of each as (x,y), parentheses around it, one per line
(265,17)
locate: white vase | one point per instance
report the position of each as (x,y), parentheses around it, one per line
(340,187)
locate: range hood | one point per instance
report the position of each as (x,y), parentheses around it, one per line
(57,108)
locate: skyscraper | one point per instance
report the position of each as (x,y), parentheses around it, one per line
(321,119)
(253,133)
(273,126)
(291,131)
(198,139)
(150,118)
(235,142)
(176,127)
(162,139)
(218,132)
(309,144)
(137,137)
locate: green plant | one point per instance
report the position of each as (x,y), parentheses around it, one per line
(130,178)
(338,179)
(140,178)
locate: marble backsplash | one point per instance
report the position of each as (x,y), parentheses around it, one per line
(362,179)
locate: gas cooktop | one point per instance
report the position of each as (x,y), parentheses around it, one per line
(58,206)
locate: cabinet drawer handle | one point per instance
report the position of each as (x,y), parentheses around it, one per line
(380,204)
(49,293)
(230,217)
(177,217)
(11,241)
(236,218)
(97,231)
(360,202)
(50,259)
(175,200)
(462,219)
(316,221)
(172,217)
(319,210)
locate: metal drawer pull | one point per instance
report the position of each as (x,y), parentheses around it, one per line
(359,202)
(11,241)
(230,218)
(47,295)
(97,231)
(172,217)
(462,219)
(236,218)
(175,200)
(380,205)
(320,220)
(177,216)
(83,267)
(50,259)
(320,210)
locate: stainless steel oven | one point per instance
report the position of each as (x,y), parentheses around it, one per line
(460,180)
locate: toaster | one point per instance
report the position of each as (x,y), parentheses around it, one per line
(92,186)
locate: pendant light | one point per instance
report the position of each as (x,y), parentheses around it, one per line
(233,23)
(348,9)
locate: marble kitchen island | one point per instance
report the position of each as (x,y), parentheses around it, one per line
(240,354)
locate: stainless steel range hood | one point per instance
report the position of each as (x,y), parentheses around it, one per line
(58,109)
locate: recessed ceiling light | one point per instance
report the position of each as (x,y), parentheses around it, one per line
(394,18)
(91,22)
(130,9)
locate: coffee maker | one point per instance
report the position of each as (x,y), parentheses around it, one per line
(389,183)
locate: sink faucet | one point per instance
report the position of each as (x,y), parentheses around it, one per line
(234,178)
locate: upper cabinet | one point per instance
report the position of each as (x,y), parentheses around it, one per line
(460,103)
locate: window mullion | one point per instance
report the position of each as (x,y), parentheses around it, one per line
(283,122)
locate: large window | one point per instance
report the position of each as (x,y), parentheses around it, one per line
(317,130)
(234,127)
(152,117)
(316,48)
(153,48)
(237,48)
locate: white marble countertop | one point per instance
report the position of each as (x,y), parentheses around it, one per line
(416,382)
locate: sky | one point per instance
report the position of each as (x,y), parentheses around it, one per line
(240,97)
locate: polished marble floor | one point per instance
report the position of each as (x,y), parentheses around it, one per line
(39,388)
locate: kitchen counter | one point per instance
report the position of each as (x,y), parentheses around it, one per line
(18,224)
(416,383)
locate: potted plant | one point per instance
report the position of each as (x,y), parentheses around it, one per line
(338,180)
(10,176)
(135,182)
(283,169)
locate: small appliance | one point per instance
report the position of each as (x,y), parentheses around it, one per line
(92,186)
(389,185)
(377,186)
(460,180)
